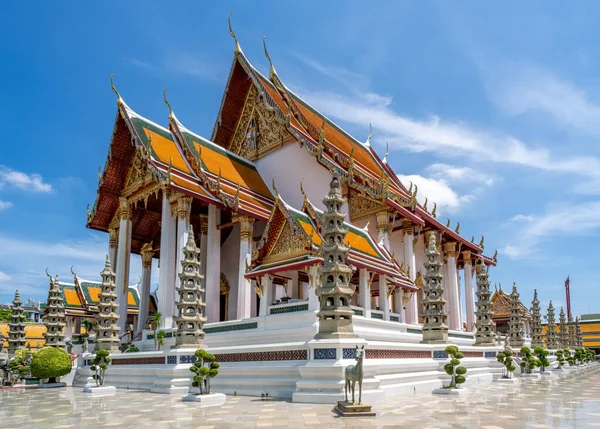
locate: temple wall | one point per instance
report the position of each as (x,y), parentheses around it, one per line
(230,254)
(397,245)
(291,164)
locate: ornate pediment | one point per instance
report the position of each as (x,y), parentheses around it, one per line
(288,244)
(139,174)
(259,130)
(363,207)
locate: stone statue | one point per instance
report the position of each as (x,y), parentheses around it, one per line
(69,346)
(1,342)
(85,344)
(354,373)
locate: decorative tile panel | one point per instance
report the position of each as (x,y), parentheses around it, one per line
(394,319)
(262,356)
(158,360)
(349,353)
(376,316)
(171,360)
(397,354)
(491,354)
(467,336)
(440,354)
(229,328)
(289,309)
(414,331)
(473,354)
(358,312)
(187,359)
(325,354)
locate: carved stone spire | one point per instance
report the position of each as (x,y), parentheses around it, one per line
(572,333)
(551,336)
(537,338)
(563,335)
(435,329)
(16,326)
(191,304)
(578,335)
(335,292)
(485,326)
(107,336)
(54,319)
(515,324)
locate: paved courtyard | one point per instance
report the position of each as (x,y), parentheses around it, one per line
(571,401)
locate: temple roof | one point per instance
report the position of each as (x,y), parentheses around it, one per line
(500,302)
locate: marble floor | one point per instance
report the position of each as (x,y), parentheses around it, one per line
(568,401)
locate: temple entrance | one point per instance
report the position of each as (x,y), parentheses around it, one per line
(224,299)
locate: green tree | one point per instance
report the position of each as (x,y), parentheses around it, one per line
(542,358)
(528,361)
(131,348)
(100,365)
(569,357)
(578,356)
(159,337)
(506,359)
(50,363)
(20,364)
(560,358)
(205,368)
(453,369)
(155,322)
(5,314)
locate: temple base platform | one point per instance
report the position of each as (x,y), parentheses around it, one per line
(349,409)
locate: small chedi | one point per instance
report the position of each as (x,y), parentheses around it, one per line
(551,336)
(191,304)
(572,336)
(107,331)
(508,364)
(578,336)
(515,324)
(537,338)
(54,320)
(485,325)
(563,335)
(435,328)
(16,326)
(335,291)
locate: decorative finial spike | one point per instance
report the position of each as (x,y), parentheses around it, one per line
(434,211)
(237,45)
(302,189)
(171,116)
(49,276)
(495,257)
(73,272)
(112,84)
(425,204)
(387,151)
(368,142)
(481,241)
(275,187)
(457,230)
(447,222)
(271,67)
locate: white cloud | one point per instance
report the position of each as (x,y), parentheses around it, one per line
(438,191)
(459,174)
(20,180)
(522,218)
(4,277)
(5,205)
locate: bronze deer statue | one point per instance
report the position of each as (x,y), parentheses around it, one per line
(354,373)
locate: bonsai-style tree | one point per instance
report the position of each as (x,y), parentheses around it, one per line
(205,368)
(578,356)
(159,338)
(560,358)
(155,322)
(528,361)
(130,348)
(569,357)
(542,358)
(100,365)
(50,363)
(453,369)
(19,365)
(506,359)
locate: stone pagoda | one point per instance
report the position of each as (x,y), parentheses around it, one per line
(334,291)
(537,338)
(572,339)
(563,335)
(551,336)
(16,326)
(107,331)
(485,334)
(54,319)
(435,329)
(191,304)
(578,332)
(515,323)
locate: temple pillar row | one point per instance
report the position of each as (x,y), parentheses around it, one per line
(266,293)
(451,286)
(313,283)
(245,293)
(213,264)
(168,257)
(384,302)
(469,294)
(113,236)
(123,258)
(147,253)
(412,308)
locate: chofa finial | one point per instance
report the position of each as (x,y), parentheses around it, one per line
(368,142)
(271,67)
(275,187)
(238,49)
(434,211)
(171,116)
(112,84)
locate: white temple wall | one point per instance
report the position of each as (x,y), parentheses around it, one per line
(420,254)
(291,164)
(230,255)
(397,246)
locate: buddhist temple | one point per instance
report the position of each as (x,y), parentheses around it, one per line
(501,302)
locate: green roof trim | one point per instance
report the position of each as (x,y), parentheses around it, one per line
(592,316)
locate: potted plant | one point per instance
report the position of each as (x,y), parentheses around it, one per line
(508,365)
(560,359)
(528,362)
(99,367)
(51,363)
(542,359)
(204,369)
(455,371)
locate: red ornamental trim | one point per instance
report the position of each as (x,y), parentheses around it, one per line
(473,354)
(140,361)
(263,356)
(398,354)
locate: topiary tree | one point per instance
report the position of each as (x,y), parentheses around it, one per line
(100,365)
(560,358)
(542,358)
(20,364)
(578,356)
(506,359)
(453,369)
(50,363)
(160,338)
(528,361)
(569,357)
(205,368)
(130,348)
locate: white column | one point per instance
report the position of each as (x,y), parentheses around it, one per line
(147,254)
(123,256)
(469,300)
(364,292)
(213,264)
(384,302)
(313,283)
(267,291)
(203,242)
(454,318)
(245,293)
(68,328)
(294,287)
(112,247)
(184,205)
(383,228)
(399,304)
(253,309)
(168,256)
(412,308)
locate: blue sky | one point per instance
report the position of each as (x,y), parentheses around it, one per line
(494,110)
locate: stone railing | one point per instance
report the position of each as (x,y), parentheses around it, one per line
(288,307)
(358,311)
(377,314)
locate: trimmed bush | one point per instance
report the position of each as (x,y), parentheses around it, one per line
(50,363)
(506,359)
(100,365)
(528,361)
(205,368)
(542,354)
(453,369)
